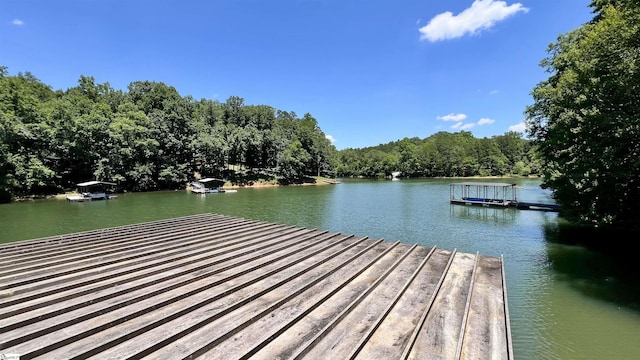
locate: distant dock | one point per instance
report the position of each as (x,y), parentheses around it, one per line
(489,194)
(215,287)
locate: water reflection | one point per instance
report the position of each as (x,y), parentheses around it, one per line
(591,307)
(496,215)
(603,274)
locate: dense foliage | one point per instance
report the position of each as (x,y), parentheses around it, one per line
(149,137)
(586,117)
(443,155)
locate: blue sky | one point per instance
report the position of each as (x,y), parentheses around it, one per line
(370,72)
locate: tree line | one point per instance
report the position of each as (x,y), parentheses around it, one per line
(443,154)
(150,137)
(147,138)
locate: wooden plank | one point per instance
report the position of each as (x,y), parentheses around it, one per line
(441,330)
(351,294)
(289,307)
(166,296)
(486,336)
(169,266)
(27,281)
(238,307)
(26,246)
(103,242)
(117,248)
(341,335)
(393,336)
(162,279)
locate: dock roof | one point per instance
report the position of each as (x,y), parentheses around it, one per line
(219,287)
(206,180)
(91,183)
(474,183)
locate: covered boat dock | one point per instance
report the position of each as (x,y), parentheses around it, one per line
(483,194)
(493,194)
(217,287)
(207,185)
(93,190)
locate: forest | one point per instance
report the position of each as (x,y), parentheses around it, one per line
(147,138)
(152,138)
(443,154)
(585,118)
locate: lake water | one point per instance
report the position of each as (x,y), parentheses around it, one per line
(565,302)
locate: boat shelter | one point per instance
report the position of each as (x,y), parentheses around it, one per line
(92,190)
(206,185)
(487,194)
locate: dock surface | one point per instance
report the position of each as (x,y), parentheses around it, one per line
(216,287)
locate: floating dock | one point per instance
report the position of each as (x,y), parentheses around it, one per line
(216,287)
(490,194)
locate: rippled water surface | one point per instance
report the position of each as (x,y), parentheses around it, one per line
(565,302)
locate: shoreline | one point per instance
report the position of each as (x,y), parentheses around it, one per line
(259,184)
(227,185)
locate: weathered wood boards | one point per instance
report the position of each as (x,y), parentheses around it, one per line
(218,287)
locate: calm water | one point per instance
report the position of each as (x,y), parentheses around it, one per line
(565,302)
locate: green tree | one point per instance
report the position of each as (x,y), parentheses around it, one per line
(133,150)
(490,160)
(512,146)
(312,139)
(292,161)
(348,162)
(147,138)
(408,163)
(172,128)
(26,156)
(585,118)
(151,95)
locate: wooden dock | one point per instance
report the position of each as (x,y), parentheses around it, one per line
(216,287)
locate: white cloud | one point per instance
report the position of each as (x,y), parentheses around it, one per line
(452,117)
(493,92)
(17,22)
(485,121)
(459,121)
(520,127)
(462,126)
(482,15)
(330,138)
